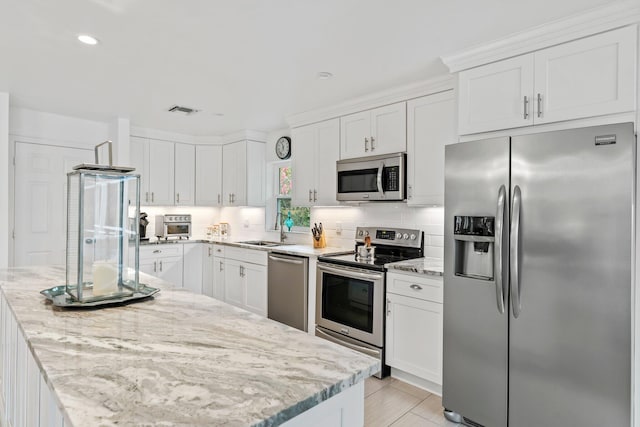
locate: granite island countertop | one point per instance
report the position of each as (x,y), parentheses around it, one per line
(176,359)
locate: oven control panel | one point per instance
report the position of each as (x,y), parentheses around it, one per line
(390,236)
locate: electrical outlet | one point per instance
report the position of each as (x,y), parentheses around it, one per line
(338,227)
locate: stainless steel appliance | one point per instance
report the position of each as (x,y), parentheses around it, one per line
(537,279)
(173,226)
(350,290)
(288,288)
(381,177)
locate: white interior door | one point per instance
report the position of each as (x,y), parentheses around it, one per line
(41,200)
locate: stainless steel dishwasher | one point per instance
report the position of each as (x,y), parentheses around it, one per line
(288,290)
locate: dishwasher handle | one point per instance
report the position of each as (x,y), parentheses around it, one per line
(287,260)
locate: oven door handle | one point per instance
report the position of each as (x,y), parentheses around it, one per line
(361,349)
(350,273)
(379,178)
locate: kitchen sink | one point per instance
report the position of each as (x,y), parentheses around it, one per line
(262,243)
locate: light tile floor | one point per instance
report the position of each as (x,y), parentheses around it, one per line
(391,402)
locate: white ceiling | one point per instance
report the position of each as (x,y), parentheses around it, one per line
(255,61)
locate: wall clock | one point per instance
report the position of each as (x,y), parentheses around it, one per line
(283,147)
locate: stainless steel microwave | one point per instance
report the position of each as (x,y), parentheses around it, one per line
(379,178)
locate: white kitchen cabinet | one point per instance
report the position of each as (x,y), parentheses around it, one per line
(161,172)
(139,159)
(234,282)
(381,130)
(164,261)
(430,126)
(414,325)
(243,169)
(584,78)
(208,175)
(255,284)
(245,279)
(193,267)
(207,269)
(185,177)
(316,150)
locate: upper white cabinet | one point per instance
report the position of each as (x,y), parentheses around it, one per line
(185,182)
(208,175)
(166,171)
(243,170)
(496,96)
(315,152)
(379,131)
(161,172)
(430,126)
(589,77)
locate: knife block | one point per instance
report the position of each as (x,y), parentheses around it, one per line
(319,244)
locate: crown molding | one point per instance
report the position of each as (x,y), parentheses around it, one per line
(172,136)
(390,96)
(243,135)
(593,21)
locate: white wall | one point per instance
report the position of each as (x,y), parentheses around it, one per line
(4,180)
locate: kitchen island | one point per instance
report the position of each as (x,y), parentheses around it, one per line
(176,359)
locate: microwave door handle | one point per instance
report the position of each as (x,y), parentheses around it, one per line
(379,178)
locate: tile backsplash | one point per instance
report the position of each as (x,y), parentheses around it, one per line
(249,223)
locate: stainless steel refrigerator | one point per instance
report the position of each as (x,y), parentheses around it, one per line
(537,278)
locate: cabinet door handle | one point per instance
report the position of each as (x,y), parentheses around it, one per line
(539,105)
(373,147)
(177,197)
(152,198)
(241,271)
(410,191)
(221,266)
(160,266)
(229,197)
(526,107)
(366,144)
(218,198)
(388,307)
(310,195)
(209,250)
(416,287)
(233,197)
(157,251)
(155,265)
(146,197)
(315,195)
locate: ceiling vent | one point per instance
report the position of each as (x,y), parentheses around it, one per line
(184,110)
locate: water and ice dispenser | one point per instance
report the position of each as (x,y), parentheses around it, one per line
(474,238)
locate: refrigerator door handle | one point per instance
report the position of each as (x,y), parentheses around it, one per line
(497,260)
(379,178)
(514,254)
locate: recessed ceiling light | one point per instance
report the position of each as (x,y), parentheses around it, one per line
(324,75)
(87,39)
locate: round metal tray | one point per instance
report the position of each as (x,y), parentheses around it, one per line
(59,297)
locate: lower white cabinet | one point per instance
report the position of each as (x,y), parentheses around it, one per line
(193,267)
(245,279)
(26,397)
(164,261)
(414,325)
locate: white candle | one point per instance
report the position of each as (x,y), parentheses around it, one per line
(105,278)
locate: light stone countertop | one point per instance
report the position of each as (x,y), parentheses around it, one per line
(176,359)
(285,248)
(427,266)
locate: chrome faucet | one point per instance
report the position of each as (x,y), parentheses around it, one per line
(283,236)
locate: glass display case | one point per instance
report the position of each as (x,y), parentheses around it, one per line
(103,208)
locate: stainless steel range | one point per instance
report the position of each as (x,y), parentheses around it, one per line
(351,289)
